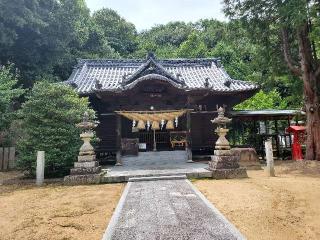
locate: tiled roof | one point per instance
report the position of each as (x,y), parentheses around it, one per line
(188,74)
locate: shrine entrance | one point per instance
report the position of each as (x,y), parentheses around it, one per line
(165,130)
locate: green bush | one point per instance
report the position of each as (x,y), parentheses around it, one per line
(48,122)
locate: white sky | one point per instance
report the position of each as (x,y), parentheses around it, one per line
(146,13)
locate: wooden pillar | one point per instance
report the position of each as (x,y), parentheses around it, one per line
(189,144)
(118,132)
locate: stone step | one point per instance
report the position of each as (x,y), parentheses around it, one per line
(157,178)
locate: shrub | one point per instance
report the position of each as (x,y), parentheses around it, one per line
(48,122)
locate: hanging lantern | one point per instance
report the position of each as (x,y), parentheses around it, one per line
(170,125)
(141,125)
(155,125)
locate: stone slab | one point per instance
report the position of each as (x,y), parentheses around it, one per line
(82,179)
(90,164)
(85,171)
(248,158)
(117,176)
(224,162)
(157,178)
(167,209)
(229,173)
(86,158)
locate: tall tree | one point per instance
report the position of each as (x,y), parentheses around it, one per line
(294,22)
(119,34)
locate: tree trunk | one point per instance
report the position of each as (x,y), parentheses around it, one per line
(311,90)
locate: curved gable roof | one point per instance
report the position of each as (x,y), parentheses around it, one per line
(188,74)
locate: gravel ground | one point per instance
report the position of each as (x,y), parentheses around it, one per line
(56,212)
(284,207)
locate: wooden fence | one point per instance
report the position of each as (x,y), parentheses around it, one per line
(7,158)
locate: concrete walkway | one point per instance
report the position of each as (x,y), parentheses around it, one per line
(166,209)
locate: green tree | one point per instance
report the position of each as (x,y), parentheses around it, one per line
(263,100)
(9,93)
(118,33)
(48,119)
(193,47)
(292,25)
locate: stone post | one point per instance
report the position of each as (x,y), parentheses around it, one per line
(40,168)
(269,156)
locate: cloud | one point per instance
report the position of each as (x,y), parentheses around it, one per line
(147,13)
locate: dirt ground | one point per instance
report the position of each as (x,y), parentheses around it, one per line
(283,207)
(56,212)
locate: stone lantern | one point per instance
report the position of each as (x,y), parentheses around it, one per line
(224,164)
(86,169)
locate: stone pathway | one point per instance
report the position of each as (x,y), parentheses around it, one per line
(167,209)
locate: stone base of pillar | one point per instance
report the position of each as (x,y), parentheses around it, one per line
(226,166)
(83,179)
(229,173)
(224,162)
(85,171)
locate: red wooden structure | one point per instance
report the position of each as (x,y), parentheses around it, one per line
(298,138)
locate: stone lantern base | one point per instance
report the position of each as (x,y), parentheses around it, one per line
(226,166)
(85,171)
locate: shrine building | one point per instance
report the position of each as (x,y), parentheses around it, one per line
(157,104)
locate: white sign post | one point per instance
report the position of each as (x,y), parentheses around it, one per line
(269,157)
(40,168)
